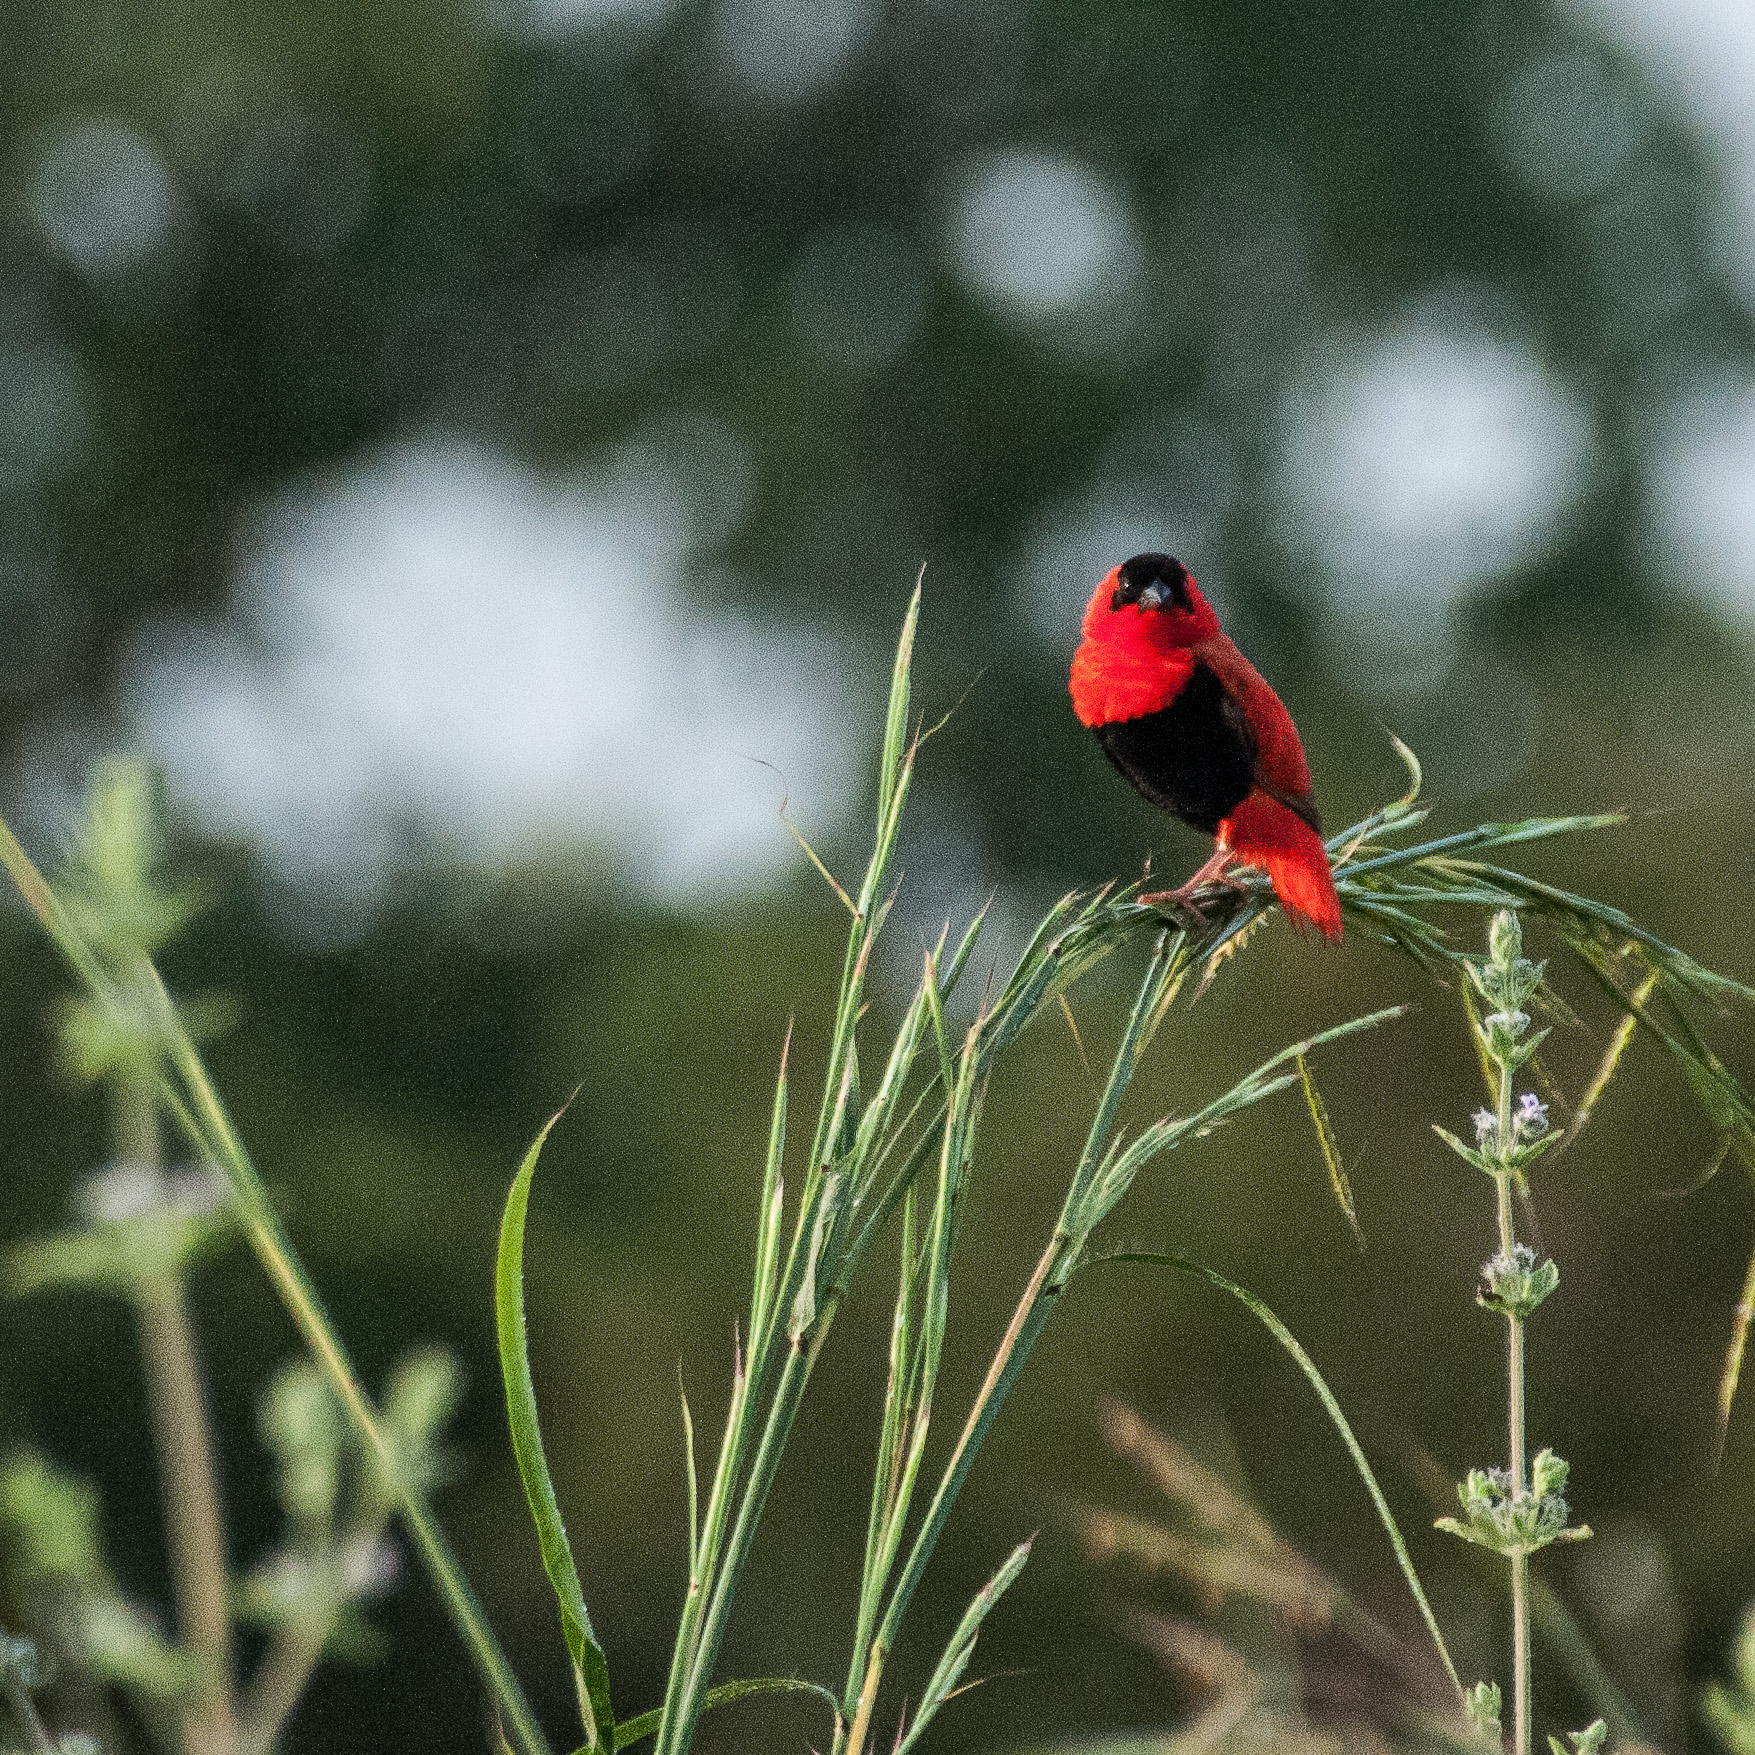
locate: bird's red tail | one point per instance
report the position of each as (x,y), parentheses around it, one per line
(1263,832)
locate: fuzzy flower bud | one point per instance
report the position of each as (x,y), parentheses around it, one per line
(1505,938)
(1532,1114)
(1511,1523)
(1515,1284)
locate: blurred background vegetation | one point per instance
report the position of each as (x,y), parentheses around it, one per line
(480,450)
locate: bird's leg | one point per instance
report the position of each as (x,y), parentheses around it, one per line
(1182,896)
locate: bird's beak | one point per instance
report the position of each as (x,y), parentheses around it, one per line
(1155,595)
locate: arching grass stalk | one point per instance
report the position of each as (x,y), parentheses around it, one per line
(1339,1420)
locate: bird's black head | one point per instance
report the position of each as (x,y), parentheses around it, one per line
(1153,582)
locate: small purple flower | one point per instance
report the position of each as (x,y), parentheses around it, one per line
(1532,1113)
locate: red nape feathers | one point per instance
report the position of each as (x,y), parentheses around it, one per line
(1185,716)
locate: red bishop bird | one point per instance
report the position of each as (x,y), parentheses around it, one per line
(1185,716)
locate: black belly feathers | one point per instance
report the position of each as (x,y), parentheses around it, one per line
(1194,758)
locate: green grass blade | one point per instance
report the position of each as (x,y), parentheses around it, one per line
(895,771)
(806,1291)
(1589,915)
(1304,1362)
(634,1730)
(888,1508)
(864,1152)
(1159,974)
(892,1433)
(1330,1148)
(935,1012)
(688,1421)
(1727,1105)
(1488,835)
(896,719)
(1122,1164)
(961,1645)
(1097,1184)
(1741,1316)
(1610,1064)
(590,1668)
(769,1214)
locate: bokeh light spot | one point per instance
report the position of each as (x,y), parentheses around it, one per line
(1040,234)
(788,50)
(102,197)
(1701,55)
(446,650)
(1565,125)
(559,18)
(1702,486)
(1420,463)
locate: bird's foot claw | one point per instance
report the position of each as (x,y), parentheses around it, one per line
(1183,897)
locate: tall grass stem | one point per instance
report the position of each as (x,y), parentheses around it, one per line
(183,1434)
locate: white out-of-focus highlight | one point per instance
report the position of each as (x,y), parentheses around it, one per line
(1701,53)
(1040,234)
(448,651)
(1702,486)
(614,29)
(1421,462)
(101,196)
(790,50)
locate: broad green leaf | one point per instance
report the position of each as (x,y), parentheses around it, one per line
(590,1668)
